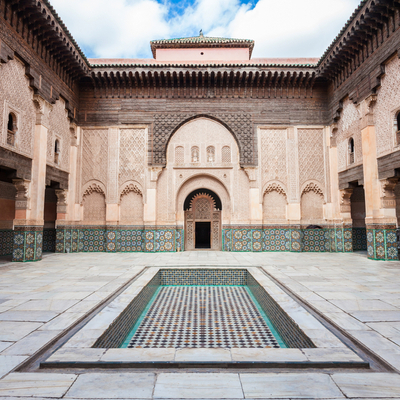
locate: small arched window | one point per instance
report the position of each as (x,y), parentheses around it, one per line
(226,154)
(210,154)
(179,155)
(11,129)
(195,154)
(351,151)
(56,151)
(397,127)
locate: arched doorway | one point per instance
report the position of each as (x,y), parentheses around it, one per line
(203,220)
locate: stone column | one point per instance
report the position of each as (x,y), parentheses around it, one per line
(112,210)
(379,206)
(256,211)
(150,211)
(339,212)
(28,223)
(293,210)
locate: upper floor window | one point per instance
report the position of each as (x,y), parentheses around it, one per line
(351,151)
(210,154)
(195,154)
(56,151)
(226,154)
(179,155)
(397,127)
(11,128)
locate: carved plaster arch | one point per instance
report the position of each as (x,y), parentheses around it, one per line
(202,181)
(238,124)
(130,186)
(312,186)
(276,186)
(93,186)
(203,195)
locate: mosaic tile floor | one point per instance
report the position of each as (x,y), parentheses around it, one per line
(203,316)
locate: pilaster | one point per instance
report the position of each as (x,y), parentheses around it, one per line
(379,197)
(29,214)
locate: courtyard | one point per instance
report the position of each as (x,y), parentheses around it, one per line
(41,302)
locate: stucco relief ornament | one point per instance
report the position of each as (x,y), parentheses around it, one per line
(22,196)
(388,196)
(94,187)
(43,109)
(275,187)
(61,200)
(345,204)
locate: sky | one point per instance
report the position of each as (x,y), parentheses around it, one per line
(280,28)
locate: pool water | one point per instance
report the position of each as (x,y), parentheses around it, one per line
(217,316)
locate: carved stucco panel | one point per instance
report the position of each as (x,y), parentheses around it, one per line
(59,128)
(94,155)
(132,156)
(311,155)
(273,155)
(348,126)
(388,102)
(240,124)
(15,95)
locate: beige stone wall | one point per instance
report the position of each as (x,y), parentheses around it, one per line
(192,164)
(111,177)
(59,128)
(116,183)
(386,108)
(292,162)
(349,127)
(16,97)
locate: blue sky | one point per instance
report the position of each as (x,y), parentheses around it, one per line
(280,28)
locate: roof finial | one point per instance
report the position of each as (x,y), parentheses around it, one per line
(201,33)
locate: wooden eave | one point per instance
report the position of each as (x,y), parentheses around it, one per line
(189,81)
(369,18)
(41,19)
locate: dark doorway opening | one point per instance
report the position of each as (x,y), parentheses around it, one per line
(203,235)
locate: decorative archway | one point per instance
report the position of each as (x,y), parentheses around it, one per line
(203,220)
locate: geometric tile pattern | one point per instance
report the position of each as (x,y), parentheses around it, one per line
(288,330)
(359,239)
(27,243)
(203,276)
(315,240)
(203,317)
(382,243)
(49,240)
(6,242)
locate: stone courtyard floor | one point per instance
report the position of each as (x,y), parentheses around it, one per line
(38,301)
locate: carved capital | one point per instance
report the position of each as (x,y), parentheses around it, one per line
(43,109)
(155,173)
(367,111)
(388,197)
(73,128)
(61,200)
(345,203)
(334,129)
(22,197)
(251,173)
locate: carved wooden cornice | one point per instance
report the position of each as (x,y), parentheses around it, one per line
(371,24)
(218,81)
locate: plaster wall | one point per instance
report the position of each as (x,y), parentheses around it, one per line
(203,54)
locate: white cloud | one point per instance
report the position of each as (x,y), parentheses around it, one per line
(284,28)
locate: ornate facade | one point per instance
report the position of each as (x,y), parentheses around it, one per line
(202,147)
